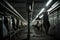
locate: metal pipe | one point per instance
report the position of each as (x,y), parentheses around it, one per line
(14,10)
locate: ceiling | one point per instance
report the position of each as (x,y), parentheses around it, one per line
(20,6)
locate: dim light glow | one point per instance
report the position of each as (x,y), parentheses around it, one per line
(49,9)
(48,2)
(41,16)
(40,12)
(29,7)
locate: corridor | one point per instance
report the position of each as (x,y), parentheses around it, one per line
(29,19)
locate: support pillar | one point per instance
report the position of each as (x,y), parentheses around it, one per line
(29,9)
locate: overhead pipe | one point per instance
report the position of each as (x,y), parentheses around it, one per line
(10,10)
(14,10)
(54,6)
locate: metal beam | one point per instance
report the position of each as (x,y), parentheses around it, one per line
(14,10)
(11,11)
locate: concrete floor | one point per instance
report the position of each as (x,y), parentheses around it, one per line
(34,35)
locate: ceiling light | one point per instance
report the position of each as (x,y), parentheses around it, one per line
(41,16)
(41,10)
(53,6)
(48,2)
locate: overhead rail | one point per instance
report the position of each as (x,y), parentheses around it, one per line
(14,10)
(8,9)
(54,7)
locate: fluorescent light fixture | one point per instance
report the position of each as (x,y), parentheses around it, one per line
(49,9)
(29,7)
(53,6)
(41,16)
(41,10)
(48,2)
(38,15)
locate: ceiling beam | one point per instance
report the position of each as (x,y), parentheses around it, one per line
(15,11)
